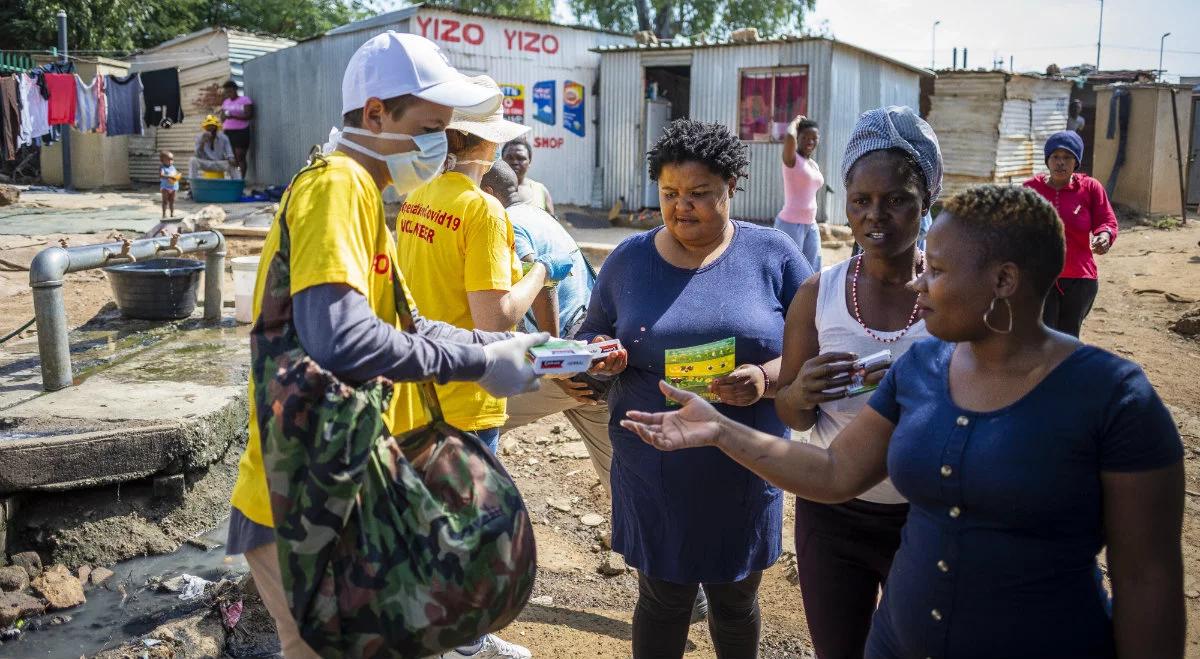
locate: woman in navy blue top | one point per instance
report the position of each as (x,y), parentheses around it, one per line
(695,518)
(1021,451)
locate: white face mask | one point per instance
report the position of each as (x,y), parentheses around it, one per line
(409,170)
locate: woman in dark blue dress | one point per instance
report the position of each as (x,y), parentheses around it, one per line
(1022,452)
(686,519)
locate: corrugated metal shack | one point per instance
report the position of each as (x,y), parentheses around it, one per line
(548,73)
(992,125)
(755,88)
(205,59)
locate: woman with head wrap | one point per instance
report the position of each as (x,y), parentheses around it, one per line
(1088,222)
(892,172)
(213,153)
(1023,453)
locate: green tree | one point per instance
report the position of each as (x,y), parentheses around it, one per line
(537,9)
(716,18)
(122,26)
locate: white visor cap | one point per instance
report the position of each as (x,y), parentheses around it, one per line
(397,63)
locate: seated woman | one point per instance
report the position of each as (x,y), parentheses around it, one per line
(213,152)
(714,314)
(1022,452)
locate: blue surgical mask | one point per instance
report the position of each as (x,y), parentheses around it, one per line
(409,170)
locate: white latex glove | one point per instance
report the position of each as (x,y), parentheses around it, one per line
(508,372)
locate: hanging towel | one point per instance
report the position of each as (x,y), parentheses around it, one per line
(161,93)
(62,97)
(101,104)
(10,117)
(23,86)
(85,106)
(124,104)
(39,108)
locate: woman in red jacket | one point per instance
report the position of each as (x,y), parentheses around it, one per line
(1089,224)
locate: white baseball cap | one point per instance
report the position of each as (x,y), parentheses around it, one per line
(397,63)
(491,126)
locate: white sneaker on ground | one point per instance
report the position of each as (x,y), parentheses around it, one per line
(494,647)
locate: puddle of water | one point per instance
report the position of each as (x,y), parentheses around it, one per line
(6,435)
(104,622)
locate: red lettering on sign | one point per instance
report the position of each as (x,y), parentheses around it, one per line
(382,264)
(508,37)
(424,24)
(473,33)
(548,142)
(450,30)
(530,44)
(550,44)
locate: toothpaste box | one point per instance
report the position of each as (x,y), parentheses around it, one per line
(561,357)
(566,357)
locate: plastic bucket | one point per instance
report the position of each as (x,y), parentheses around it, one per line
(207,174)
(157,289)
(245,276)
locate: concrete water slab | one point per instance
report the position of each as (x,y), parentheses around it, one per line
(149,398)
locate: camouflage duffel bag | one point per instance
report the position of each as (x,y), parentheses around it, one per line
(380,558)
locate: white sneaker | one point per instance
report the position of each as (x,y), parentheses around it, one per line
(494,647)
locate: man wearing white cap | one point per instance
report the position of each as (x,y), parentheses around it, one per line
(456,248)
(398,95)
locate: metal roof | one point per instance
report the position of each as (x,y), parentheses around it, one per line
(672,45)
(206,31)
(405,13)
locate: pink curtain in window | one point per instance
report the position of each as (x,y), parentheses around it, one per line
(754,106)
(791,96)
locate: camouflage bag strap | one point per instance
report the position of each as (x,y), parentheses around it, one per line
(428,392)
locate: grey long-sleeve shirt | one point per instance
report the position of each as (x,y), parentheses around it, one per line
(342,334)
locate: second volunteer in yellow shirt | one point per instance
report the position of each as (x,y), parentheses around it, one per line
(455,247)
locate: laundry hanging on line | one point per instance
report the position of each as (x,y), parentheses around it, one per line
(124,97)
(10,117)
(61,109)
(161,96)
(88,105)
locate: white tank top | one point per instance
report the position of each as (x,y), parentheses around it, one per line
(838,331)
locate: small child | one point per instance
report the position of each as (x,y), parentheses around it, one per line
(168,184)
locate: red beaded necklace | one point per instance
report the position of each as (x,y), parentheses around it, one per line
(912,318)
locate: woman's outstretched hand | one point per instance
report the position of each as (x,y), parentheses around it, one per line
(694,424)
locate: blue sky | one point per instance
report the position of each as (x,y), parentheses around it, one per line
(1034,32)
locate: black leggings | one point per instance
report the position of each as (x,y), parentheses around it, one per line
(664,611)
(843,553)
(1068,303)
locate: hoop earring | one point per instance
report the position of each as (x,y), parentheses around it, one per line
(991,308)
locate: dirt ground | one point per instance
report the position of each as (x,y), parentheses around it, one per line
(1150,278)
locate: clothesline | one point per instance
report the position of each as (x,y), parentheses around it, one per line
(54,95)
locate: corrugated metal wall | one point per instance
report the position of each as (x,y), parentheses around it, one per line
(992,125)
(300,89)
(861,82)
(842,83)
(622,165)
(205,61)
(510,51)
(715,79)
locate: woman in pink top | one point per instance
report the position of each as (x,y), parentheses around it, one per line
(802,180)
(237,112)
(1089,225)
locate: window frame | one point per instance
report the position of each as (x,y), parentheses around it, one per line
(775,72)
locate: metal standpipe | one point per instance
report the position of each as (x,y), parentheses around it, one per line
(51,265)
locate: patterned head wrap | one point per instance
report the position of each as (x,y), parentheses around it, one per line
(896,127)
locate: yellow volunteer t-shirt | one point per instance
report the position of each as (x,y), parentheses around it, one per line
(338,236)
(454,239)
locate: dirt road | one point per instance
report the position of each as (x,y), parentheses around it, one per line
(588,615)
